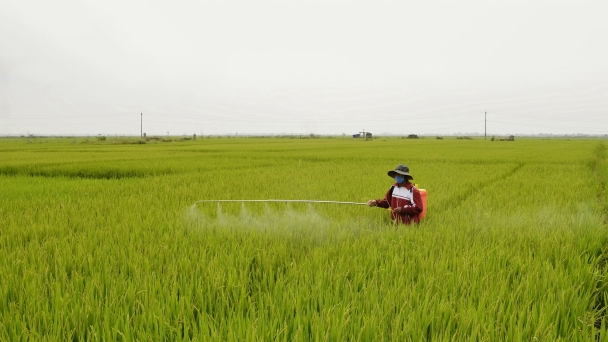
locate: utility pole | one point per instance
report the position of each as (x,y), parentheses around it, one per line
(141,125)
(485,125)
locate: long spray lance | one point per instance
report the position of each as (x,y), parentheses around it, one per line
(281,201)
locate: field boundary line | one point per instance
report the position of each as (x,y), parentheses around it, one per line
(600,157)
(460,198)
(598,301)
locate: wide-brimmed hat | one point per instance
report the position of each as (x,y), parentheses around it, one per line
(402,170)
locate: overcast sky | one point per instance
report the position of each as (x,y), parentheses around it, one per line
(426,67)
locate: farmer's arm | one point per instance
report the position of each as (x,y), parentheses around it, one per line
(384,202)
(416,207)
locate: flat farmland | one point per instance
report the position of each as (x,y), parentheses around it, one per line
(101,240)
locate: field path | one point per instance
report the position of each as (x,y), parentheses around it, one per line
(457,199)
(597,165)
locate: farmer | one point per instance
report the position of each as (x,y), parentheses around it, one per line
(403,197)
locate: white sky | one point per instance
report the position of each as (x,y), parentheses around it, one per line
(426,67)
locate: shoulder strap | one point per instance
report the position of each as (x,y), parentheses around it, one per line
(390,192)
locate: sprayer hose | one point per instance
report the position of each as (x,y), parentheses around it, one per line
(284,201)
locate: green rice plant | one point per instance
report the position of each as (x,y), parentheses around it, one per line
(101,242)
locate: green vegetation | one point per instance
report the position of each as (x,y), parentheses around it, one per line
(101,241)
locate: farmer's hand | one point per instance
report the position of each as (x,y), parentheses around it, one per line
(371,203)
(397,210)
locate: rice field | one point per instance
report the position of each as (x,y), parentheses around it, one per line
(101,241)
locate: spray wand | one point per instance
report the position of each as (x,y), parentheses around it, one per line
(282,201)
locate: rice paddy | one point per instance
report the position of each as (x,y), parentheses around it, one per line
(101,241)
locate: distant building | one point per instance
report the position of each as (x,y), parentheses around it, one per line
(366,135)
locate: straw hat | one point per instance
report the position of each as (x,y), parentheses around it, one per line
(402,170)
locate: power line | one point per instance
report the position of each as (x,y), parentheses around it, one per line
(290,122)
(562,128)
(69,124)
(65,117)
(549,118)
(393,118)
(236,119)
(452,127)
(299,123)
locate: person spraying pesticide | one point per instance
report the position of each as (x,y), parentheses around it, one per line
(403,198)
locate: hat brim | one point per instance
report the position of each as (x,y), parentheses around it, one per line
(392,174)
